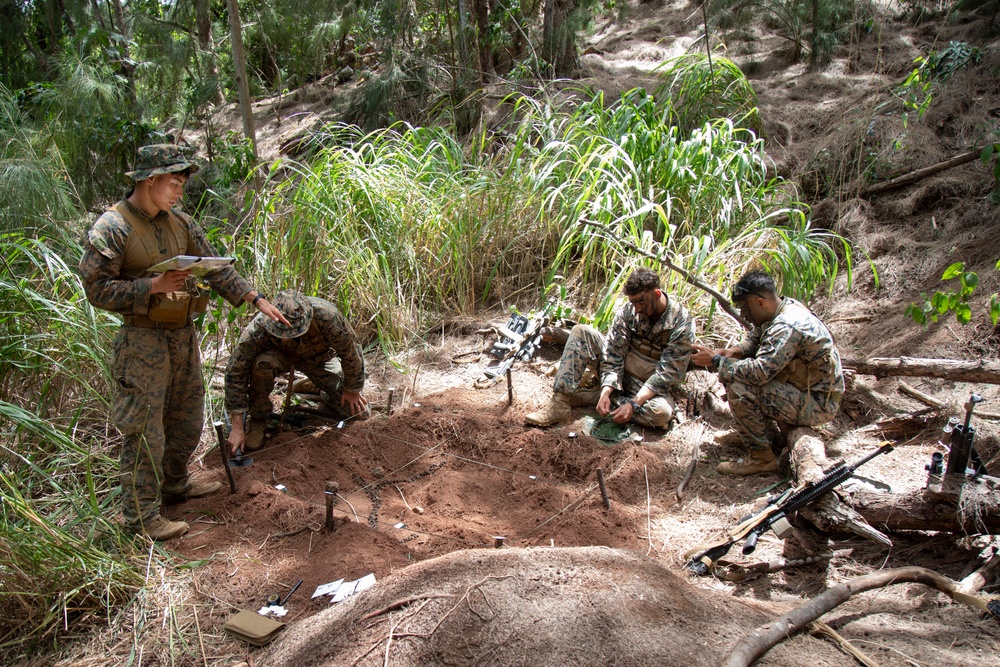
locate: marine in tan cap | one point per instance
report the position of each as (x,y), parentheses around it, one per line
(316,339)
(159,398)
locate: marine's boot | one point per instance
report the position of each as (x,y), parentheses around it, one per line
(161,529)
(254,438)
(557,410)
(305,386)
(196,488)
(760,461)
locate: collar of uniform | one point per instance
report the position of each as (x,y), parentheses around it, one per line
(142,214)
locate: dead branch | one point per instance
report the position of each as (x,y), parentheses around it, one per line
(767,636)
(723,301)
(982,576)
(957,505)
(937,403)
(957,370)
(821,628)
(695,453)
(921,174)
(402,603)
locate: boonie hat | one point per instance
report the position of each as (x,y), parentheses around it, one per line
(296,308)
(157,159)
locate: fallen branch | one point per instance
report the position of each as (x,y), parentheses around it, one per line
(723,301)
(767,636)
(984,575)
(937,403)
(921,174)
(821,628)
(957,370)
(402,603)
(695,453)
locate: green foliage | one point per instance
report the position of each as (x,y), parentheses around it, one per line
(917,90)
(700,90)
(943,302)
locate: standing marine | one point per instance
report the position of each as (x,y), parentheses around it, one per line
(787,369)
(645,354)
(159,393)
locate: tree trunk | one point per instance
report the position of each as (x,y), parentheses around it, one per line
(987,372)
(240,64)
(483,39)
(204,20)
(558,39)
(126,60)
(960,505)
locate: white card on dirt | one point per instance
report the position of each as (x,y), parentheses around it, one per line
(328,589)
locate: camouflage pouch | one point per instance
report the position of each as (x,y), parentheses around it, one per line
(640,367)
(796,373)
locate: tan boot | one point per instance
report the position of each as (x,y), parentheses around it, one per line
(196,488)
(254,438)
(759,461)
(305,386)
(558,410)
(161,529)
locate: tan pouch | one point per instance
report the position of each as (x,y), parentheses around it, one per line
(199,304)
(170,307)
(253,628)
(796,373)
(640,367)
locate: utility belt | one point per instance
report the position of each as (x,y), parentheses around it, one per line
(172,310)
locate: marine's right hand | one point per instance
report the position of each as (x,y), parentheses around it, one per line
(236,438)
(169,281)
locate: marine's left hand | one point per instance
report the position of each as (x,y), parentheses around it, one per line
(354,400)
(268,309)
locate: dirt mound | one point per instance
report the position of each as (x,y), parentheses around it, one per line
(576,606)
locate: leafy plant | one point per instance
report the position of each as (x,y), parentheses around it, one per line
(943,302)
(917,90)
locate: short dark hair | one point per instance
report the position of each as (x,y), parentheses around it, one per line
(756,282)
(641,280)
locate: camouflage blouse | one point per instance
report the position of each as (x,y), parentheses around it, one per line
(104,250)
(672,333)
(793,339)
(329,335)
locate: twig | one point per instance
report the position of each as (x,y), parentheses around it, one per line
(201,640)
(356,519)
(402,603)
(403,497)
(982,576)
(765,637)
(695,453)
(465,596)
(649,530)
(938,403)
(291,533)
(821,628)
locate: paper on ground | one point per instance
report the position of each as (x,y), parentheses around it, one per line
(327,589)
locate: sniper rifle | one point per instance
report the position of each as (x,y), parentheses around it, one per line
(520,339)
(775,515)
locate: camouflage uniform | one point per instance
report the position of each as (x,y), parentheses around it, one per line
(328,353)
(636,353)
(790,372)
(159,400)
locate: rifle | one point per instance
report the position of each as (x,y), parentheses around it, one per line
(962,450)
(775,514)
(520,339)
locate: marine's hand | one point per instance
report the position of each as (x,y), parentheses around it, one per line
(169,281)
(353,400)
(623,414)
(702,355)
(266,307)
(604,402)
(235,440)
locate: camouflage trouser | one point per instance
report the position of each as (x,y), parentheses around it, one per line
(158,407)
(327,376)
(585,351)
(752,406)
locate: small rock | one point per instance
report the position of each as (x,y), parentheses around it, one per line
(378,473)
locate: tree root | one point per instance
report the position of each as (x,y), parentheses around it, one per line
(767,636)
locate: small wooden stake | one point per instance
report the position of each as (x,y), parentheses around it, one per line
(331,499)
(604,489)
(510,389)
(388,401)
(224,453)
(498,541)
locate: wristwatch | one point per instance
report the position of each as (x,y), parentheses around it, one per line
(635,406)
(257,298)
(716,360)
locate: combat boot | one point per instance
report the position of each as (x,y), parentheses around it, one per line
(161,529)
(196,487)
(760,461)
(254,438)
(558,410)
